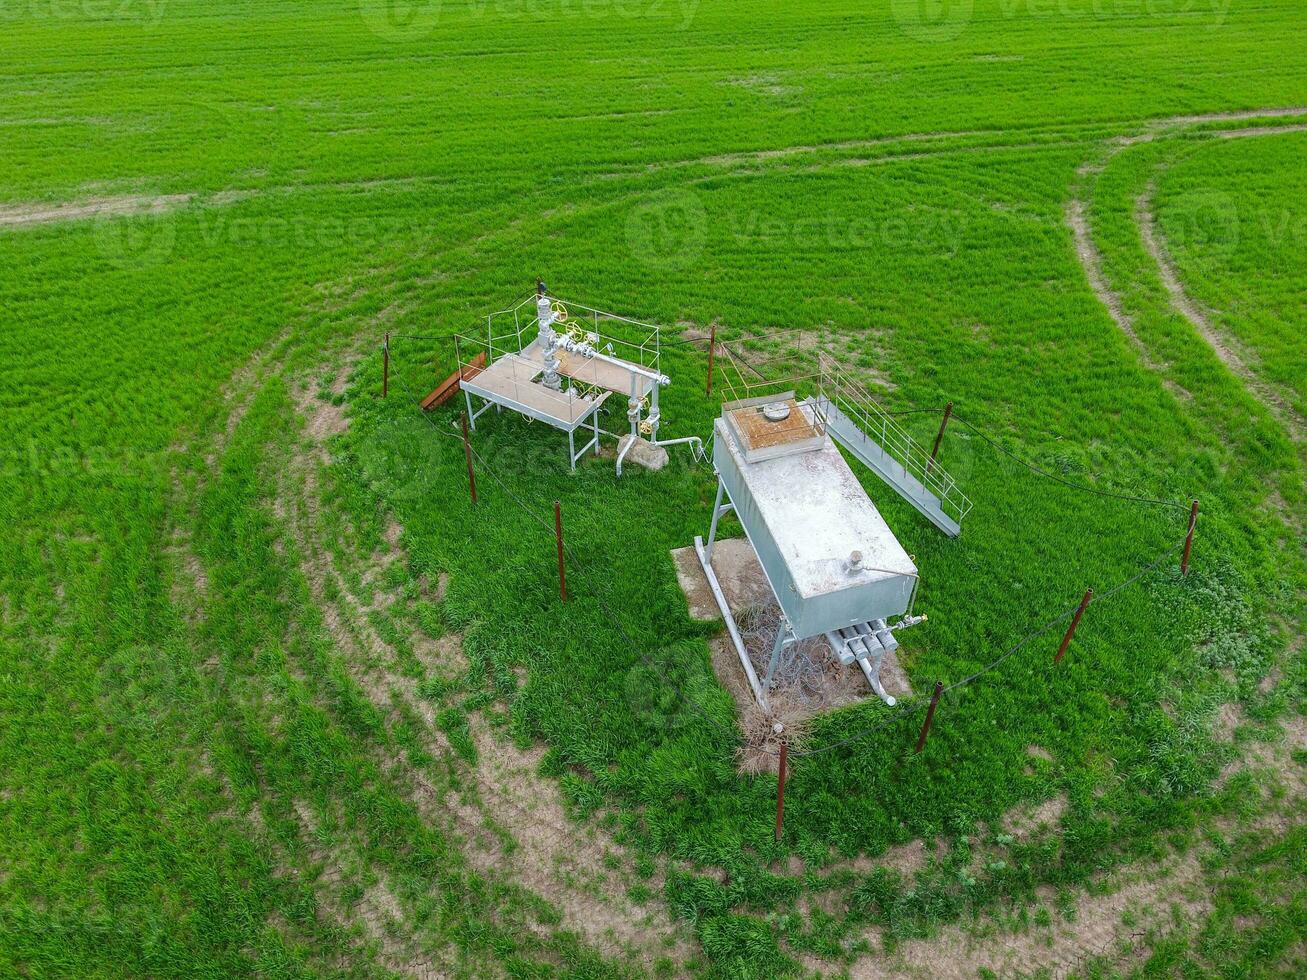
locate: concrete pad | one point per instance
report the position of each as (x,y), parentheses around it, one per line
(645,454)
(746,588)
(738,573)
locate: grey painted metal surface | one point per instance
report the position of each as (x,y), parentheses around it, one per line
(853,438)
(805,515)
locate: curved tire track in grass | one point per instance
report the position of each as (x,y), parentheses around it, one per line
(561,862)
(1224,346)
(1091,261)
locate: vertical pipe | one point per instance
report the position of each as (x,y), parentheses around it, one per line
(712,351)
(558,534)
(780,789)
(385,367)
(716,515)
(1189,539)
(939,436)
(1071,630)
(467,454)
(930,716)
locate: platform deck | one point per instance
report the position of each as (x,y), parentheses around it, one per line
(590,371)
(512,381)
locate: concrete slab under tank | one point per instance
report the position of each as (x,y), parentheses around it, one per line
(745,589)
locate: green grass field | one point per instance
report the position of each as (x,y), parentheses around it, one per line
(277,699)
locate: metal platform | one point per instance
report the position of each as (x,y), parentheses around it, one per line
(512,382)
(855,439)
(590,371)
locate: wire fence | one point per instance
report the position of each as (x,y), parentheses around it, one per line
(904,709)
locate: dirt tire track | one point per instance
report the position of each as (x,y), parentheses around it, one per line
(1223,346)
(1091,260)
(511,794)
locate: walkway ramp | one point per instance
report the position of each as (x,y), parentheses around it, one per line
(880,444)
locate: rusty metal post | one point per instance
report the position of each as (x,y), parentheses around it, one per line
(930,716)
(1075,621)
(1189,539)
(385,367)
(712,351)
(558,533)
(939,436)
(780,789)
(467,454)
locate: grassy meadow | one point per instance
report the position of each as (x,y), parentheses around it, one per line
(265,667)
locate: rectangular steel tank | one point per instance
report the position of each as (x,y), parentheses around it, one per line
(805,514)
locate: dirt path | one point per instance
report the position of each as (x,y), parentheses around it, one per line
(15,215)
(1224,346)
(1091,260)
(573,866)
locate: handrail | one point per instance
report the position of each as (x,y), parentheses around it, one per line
(851,398)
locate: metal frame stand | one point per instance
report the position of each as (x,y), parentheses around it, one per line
(785,637)
(573,454)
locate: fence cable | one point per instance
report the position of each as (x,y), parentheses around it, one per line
(904,710)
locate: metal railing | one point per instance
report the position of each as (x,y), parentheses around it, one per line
(855,402)
(642,346)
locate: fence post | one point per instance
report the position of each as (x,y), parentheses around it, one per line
(467,454)
(930,716)
(712,351)
(939,437)
(1071,630)
(780,789)
(558,533)
(385,367)
(1189,538)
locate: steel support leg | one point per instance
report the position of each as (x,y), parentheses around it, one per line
(471,415)
(571,448)
(716,513)
(782,635)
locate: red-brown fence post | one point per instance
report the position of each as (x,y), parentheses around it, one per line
(385,367)
(1189,539)
(558,533)
(1071,630)
(467,454)
(939,436)
(780,789)
(712,351)
(930,715)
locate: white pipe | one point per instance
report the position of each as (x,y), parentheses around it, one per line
(630,443)
(695,441)
(731,629)
(585,350)
(873,678)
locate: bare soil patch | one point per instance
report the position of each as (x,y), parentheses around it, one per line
(1149,894)
(811,679)
(17,215)
(559,859)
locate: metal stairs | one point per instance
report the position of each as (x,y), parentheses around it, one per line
(855,422)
